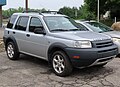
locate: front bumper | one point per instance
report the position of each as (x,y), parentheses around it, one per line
(118,44)
(93,56)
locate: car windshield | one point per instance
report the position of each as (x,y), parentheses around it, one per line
(98,27)
(61,23)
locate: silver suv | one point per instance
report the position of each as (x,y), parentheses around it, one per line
(56,38)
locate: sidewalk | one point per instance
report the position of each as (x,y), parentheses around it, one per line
(1,33)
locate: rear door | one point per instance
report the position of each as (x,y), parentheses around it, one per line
(20,32)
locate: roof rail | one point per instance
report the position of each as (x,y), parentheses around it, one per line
(52,12)
(33,12)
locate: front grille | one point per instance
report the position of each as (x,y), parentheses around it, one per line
(101,44)
(107,50)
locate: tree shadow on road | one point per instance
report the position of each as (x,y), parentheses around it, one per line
(92,73)
(85,73)
(30,59)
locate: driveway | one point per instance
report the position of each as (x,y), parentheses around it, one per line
(32,72)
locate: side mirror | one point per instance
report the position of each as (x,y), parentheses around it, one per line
(39,31)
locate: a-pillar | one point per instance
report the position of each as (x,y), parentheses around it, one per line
(0,16)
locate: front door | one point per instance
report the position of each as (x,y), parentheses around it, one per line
(36,43)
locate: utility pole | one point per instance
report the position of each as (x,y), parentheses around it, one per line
(0,16)
(98,19)
(76,13)
(115,19)
(26,5)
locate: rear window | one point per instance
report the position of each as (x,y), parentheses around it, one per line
(11,21)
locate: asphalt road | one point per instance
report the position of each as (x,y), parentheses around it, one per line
(34,72)
(1,33)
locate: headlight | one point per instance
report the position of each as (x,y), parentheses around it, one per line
(116,40)
(82,44)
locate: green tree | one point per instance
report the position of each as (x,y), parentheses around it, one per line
(10,11)
(92,6)
(71,12)
(85,14)
(7,13)
(105,5)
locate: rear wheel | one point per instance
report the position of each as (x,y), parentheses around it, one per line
(61,64)
(12,51)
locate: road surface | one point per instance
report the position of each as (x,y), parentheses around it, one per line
(33,72)
(1,33)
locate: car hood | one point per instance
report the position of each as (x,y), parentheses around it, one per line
(80,35)
(113,34)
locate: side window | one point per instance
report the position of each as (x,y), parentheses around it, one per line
(22,23)
(11,21)
(35,23)
(82,27)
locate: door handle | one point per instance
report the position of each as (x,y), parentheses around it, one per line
(28,35)
(8,32)
(13,32)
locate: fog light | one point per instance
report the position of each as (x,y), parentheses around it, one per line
(76,57)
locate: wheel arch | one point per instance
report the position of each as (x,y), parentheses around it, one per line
(10,39)
(55,47)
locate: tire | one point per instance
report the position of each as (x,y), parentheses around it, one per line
(118,55)
(12,51)
(61,64)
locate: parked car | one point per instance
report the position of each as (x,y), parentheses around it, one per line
(56,38)
(101,28)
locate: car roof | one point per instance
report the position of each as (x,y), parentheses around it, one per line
(37,14)
(84,21)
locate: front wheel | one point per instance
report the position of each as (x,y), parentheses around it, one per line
(12,51)
(61,64)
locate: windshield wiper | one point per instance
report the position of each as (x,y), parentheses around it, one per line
(101,31)
(111,30)
(67,30)
(73,29)
(60,30)
(76,29)
(106,31)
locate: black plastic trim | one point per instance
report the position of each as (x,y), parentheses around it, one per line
(10,38)
(89,56)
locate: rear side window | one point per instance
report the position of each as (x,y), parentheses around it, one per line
(22,23)
(11,21)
